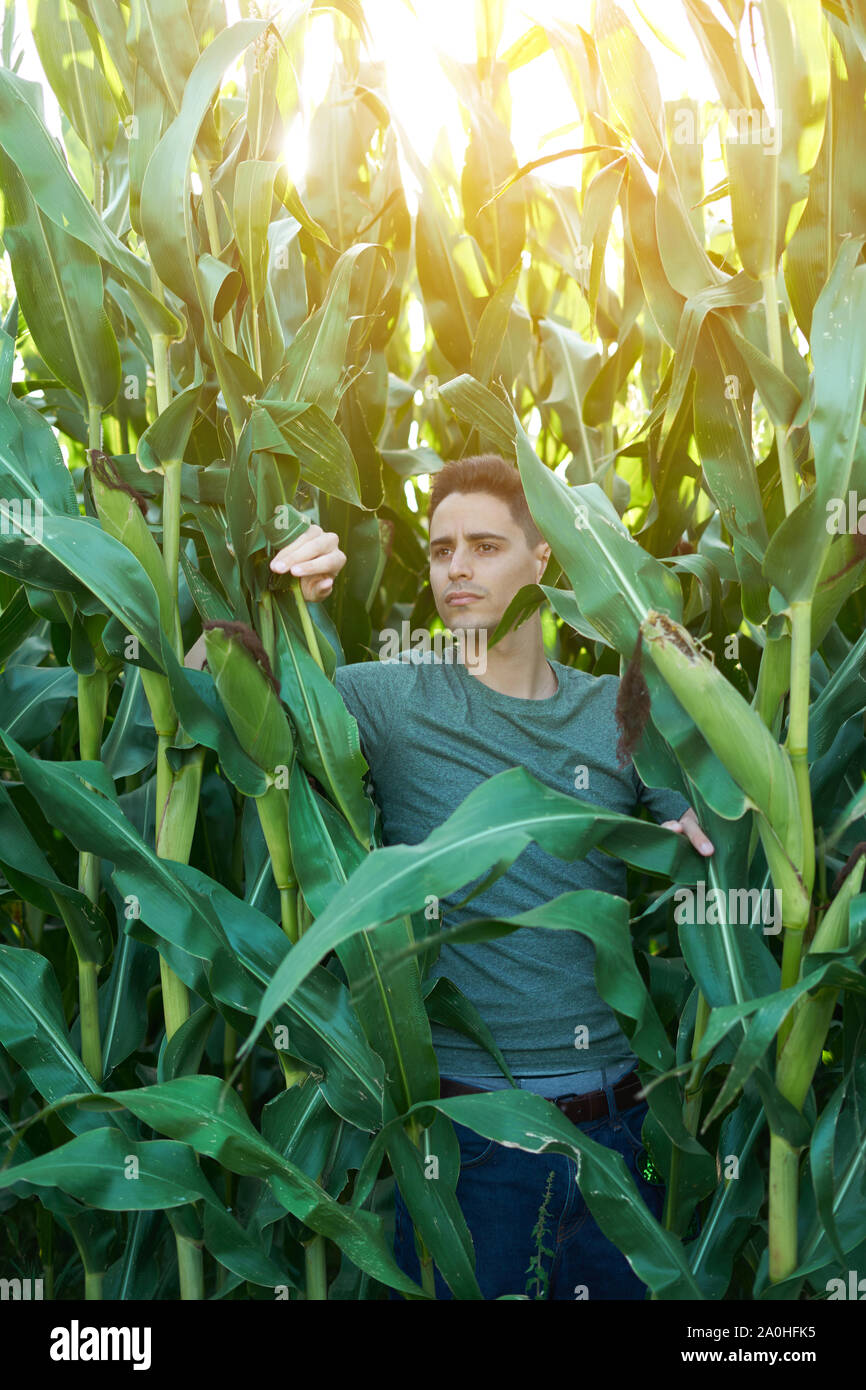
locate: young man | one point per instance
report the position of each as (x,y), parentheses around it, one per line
(431,732)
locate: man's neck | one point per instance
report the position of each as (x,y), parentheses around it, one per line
(517,665)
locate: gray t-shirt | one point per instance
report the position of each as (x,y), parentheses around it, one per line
(431,732)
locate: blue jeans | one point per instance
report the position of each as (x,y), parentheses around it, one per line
(500,1191)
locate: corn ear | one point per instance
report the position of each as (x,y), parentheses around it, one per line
(736,733)
(249,699)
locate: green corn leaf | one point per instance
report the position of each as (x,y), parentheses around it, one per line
(17,621)
(314,368)
(306,433)
(828,1136)
(33,1031)
(617,580)
(58,280)
(735,1204)
(30,147)
(69,51)
(165,215)
(327,737)
(490,827)
(162,37)
(198,1111)
(631,80)
(478,407)
(769,152)
(799,547)
(165,441)
(149,122)
(452,299)
(106,1169)
(433,1205)
(449,1007)
(33,699)
(253,197)
(535,1124)
(221,285)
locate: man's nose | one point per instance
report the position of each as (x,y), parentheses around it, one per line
(460,562)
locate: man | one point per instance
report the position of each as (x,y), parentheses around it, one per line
(431,732)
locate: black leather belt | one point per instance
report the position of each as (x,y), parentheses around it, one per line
(579,1109)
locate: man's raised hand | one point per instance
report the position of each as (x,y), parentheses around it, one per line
(315,558)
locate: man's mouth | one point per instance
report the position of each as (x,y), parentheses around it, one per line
(461,598)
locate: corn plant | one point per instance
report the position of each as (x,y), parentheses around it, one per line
(203,937)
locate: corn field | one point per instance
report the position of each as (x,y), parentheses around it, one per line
(215,1047)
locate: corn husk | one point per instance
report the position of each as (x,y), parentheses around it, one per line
(734,731)
(250,701)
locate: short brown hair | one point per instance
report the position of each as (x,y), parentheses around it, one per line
(486,473)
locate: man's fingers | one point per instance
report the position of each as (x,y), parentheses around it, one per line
(319,564)
(313,542)
(697,836)
(689,826)
(315,589)
(699,839)
(321,544)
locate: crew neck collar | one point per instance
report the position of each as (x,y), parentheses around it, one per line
(498,697)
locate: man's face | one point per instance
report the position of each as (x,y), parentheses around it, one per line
(479,558)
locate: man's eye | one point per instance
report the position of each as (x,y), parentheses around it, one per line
(488,545)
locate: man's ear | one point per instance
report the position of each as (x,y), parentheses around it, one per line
(543,553)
